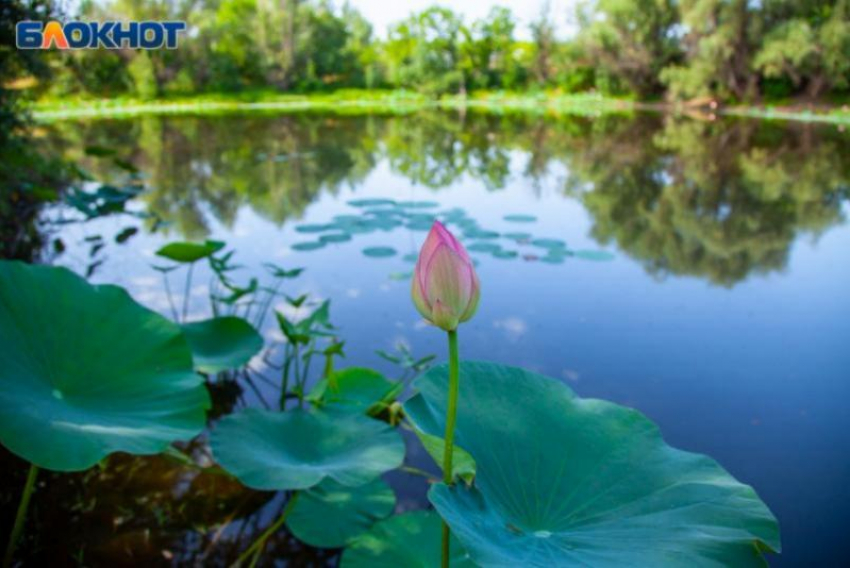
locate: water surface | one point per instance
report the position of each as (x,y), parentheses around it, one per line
(693,269)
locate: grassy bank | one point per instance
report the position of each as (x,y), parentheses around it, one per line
(405,102)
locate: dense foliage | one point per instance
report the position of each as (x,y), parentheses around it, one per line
(733,50)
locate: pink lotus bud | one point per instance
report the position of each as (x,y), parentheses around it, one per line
(445,287)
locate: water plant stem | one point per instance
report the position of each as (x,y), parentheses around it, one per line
(257,547)
(451,414)
(21,516)
(187,290)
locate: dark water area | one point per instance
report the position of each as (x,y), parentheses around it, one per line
(696,270)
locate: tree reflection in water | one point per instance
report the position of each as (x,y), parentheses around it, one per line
(719,200)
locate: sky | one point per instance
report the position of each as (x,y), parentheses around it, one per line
(382,13)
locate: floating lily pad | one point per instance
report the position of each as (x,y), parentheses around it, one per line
(297,449)
(189,252)
(520,218)
(455,214)
(400,276)
(335,238)
(410,257)
(480,234)
(307,246)
(384,223)
(222,343)
(88,372)
(422,218)
(313,228)
(549,243)
(356,225)
(348,219)
(331,515)
(417,204)
(518,236)
(599,255)
(563,480)
(505,254)
(412,540)
(356,388)
(388,213)
(484,247)
(419,226)
(553,258)
(379,252)
(370,202)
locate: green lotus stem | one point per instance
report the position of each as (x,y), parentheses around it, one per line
(187,290)
(284,387)
(21,516)
(170,297)
(257,547)
(451,415)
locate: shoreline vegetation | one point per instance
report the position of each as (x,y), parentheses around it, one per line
(360,101)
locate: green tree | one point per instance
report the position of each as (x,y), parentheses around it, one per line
(423,52)
(809,45)
(720,41)
(630,42)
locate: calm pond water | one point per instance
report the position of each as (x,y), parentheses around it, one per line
(694,269)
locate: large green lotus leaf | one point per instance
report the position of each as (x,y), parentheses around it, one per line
(356,388)
(189,252)
(563,480)
(411,540)
(222,343)
(330,515)
(86,372)
(297,449)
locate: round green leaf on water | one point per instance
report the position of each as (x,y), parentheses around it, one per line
(410,540)
(484,247)
(505,254)
(222,343)
(518,236)
(335,238)
(297,449)
(563,480)
(519,218)
(189,252)
(419,225)
(330,515)
(599,255)
(480,234)
(417,204)
(370,202)
(379,252)
(88,372)
(384,212)
(308,246)
(553,258)
(313,228)
(554,244)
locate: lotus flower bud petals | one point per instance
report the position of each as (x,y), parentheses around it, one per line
(445,288)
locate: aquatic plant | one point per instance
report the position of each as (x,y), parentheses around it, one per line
(88,372)
(446,291)
(300,449)
(532,474)
(562,480)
